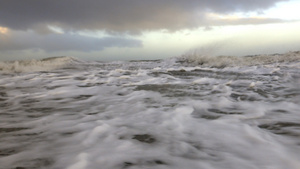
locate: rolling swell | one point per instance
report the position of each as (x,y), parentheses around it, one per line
(34,65)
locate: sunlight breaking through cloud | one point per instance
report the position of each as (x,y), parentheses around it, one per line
(3,30)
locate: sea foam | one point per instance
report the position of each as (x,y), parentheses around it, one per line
(151,114)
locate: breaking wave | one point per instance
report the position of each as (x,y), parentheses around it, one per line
(227,61)
(34,65)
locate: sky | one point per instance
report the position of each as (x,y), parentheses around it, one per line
(144,29)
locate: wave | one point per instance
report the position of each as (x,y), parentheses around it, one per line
(229,61)
(34,65)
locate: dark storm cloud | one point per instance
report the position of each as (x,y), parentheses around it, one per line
(18,40)
(118,15)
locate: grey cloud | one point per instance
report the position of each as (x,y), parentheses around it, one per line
(118,15)
(18,40)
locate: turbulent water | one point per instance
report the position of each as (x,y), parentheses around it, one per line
(183,113)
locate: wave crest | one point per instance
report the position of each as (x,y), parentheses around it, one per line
(34,65)
(229,61)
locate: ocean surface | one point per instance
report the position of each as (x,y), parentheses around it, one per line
(189,112)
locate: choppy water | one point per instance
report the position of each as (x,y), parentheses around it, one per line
(164,114)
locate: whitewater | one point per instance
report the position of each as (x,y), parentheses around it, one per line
(188,112)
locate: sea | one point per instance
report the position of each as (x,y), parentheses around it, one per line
(187,112)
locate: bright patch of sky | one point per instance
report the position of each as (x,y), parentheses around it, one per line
(285,10)
(226,40)
(236,39)
(288,11)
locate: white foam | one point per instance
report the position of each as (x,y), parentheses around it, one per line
(205,80)
(147,115)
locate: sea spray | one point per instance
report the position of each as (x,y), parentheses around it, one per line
(229,61)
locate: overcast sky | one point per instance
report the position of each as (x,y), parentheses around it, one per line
(146,29)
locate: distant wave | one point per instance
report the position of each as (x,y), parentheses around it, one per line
(34,65)
(227,61)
